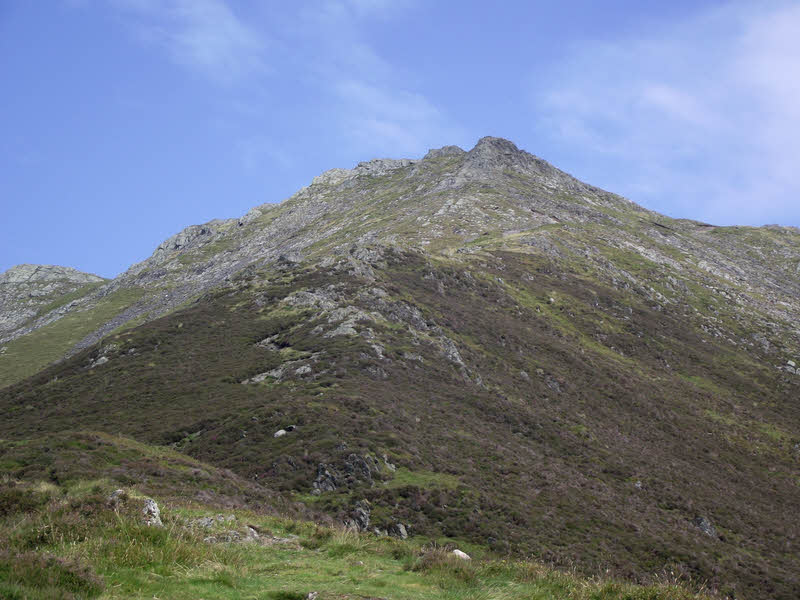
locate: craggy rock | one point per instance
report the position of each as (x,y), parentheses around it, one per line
(325,481)
(359,516)
(398,530)
(352,471)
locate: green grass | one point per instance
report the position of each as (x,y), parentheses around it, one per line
(422,479)
(29,354)
(71,544)
(67,298)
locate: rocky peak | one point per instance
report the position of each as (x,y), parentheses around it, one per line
(375,168)
(27,273)
(27,289)
(194,235)
(444,151)
(498,154)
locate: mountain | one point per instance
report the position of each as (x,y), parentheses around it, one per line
(476,343)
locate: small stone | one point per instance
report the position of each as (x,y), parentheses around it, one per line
(791,363)
(116,498)
(389,465)
(304,370)
(704,524)
(398,530)
(279,433)
(152,515)
(204,522)
(462,555)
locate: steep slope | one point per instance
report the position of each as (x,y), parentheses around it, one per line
(482,347)
(28,291)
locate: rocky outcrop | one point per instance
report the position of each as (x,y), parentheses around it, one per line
(351,471)
(358,519)
(27,291)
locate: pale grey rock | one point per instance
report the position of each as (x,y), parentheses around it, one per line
(398,530)
(325,480)
(461,554)
(100,361)
(27,289)
(444,151)
(151,513)
(388,464)
(204,522)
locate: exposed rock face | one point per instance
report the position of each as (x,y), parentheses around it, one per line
(351,471)
(26,290)
(448,201)
(398,530)
(359,516)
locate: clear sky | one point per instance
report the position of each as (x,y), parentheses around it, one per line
(123,121)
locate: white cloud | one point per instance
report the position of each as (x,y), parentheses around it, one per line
(376,110)
(701,119)
(392,120)
(203,35)
(362,100)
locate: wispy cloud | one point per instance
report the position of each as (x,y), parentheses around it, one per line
(203,35)
(703,117)
(377,109)
(389,119)
(364,101)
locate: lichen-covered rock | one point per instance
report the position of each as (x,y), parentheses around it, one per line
(152,514)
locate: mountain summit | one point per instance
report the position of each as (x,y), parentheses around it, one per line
(474,345)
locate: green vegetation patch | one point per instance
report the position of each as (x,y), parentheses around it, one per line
(29,354)
(422,479)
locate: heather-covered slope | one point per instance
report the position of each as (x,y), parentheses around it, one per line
(523,405)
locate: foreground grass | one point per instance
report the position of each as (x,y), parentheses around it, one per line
(70,543)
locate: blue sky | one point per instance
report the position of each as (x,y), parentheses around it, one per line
(124,121)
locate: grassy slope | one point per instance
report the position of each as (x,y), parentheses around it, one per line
(544,464)
(68,543)
(27,355)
